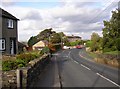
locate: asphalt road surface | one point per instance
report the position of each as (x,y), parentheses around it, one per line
(74,68)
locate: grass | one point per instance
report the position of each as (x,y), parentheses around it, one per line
(113,62)
(94,55)
(113,52)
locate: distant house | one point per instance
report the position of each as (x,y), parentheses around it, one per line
(73,38)
(8,33)
(39,45)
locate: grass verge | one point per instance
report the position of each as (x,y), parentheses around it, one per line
(106,58)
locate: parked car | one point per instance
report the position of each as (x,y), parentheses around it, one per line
(66,47)
(78,46)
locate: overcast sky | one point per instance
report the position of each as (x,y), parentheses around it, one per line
(73,17)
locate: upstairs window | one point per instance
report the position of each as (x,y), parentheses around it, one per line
(10,23)
(2,44)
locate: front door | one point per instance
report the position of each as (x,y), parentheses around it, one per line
(12,46)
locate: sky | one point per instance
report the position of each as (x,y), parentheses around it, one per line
(73,17)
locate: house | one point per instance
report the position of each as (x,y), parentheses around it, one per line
(8,33)
(73,38)
(39,45)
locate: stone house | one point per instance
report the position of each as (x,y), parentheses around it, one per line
(73,38)
(8,33)
(39,45)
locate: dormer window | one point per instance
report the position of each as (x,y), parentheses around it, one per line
(10,23)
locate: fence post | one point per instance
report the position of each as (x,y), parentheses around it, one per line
(19,78)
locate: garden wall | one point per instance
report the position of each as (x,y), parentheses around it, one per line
(28,74)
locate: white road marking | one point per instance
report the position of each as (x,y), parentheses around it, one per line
(108,79)
(85,67)
(85,58)
(76,62)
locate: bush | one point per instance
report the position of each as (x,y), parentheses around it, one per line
(26,57)
(67,44)
(8,65)
(21,65)
(57,47)
(118,44)
(88,43)
(106,49)
(20,61)
(74,43)
(45,50)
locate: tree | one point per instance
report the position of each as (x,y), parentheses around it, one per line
(95,39)
(111,32)
(45,34)
(55,38)
(32,41)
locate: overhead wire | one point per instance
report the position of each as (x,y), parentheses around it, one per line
(101,12)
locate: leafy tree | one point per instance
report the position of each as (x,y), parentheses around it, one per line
(95,39)
(45,34)
(88,43)
(111,32)
(55,38)
(32,41)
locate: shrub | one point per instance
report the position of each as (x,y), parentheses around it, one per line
(118,44)
(26,57)
(8,65)
(88,43)
(57,47)
(106,49)
(21,65)
(20,61)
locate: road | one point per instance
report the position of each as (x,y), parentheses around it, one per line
(74,68)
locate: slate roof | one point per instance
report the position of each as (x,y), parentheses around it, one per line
(73,37)
(6,14)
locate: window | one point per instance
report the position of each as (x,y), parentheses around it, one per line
(2,44)
(10,23)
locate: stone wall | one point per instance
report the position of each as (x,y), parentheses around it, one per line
(9,79)
(29,73)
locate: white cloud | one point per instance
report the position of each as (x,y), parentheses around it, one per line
(72,18)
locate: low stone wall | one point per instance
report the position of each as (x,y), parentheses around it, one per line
(9,79)
(29,73)
(34,69)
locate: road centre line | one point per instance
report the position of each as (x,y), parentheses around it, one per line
(85,66)
(108,79)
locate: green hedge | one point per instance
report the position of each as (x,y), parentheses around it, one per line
(21,61)
(8,65)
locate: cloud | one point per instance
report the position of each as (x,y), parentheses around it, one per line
(32,15)
(8,2)
(78,18)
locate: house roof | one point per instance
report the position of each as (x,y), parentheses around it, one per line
(73,37)
(38,43)
(21,44)
(6,14)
